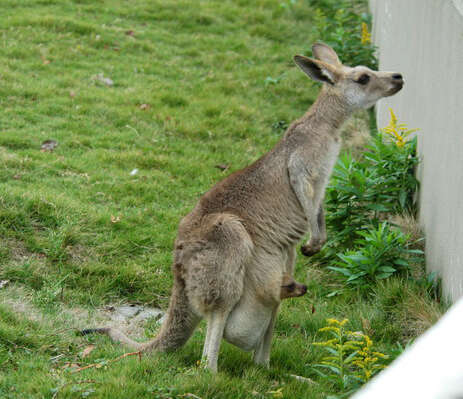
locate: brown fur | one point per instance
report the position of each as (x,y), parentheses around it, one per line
(233,249)
(291,288)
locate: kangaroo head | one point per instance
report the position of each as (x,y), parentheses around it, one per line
(358,87)
(291,288)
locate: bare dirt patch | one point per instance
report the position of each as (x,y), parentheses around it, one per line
(129,318)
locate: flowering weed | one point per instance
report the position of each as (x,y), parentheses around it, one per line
(351,358)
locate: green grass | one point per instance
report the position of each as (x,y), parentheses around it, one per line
(220,83)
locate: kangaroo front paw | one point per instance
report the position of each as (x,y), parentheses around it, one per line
(311,248)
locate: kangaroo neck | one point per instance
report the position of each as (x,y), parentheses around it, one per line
(328,112)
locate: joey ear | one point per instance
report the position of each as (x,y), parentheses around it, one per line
(325,53)
(316,70)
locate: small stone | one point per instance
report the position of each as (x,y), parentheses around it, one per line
(149,313)
(128,311)
(102,79)
(49,145)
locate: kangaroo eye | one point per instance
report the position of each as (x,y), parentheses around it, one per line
(363,79)
(291,286)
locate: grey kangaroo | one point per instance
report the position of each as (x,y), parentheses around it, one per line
(235,247)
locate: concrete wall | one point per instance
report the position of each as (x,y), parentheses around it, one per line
(423,39)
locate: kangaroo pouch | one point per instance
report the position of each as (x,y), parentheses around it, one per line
(247,323)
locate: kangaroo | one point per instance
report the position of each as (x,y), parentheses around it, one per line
(233,249)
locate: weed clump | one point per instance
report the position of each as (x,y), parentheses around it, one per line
(362,197)
(351,358)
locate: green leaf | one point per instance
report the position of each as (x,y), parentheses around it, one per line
(401,262)
(346,272)
(378,207)
(381,276)
(350,357)
(332,368)
(387,269)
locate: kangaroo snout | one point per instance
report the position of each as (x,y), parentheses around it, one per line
(396,83)
(291,288)
(398,80)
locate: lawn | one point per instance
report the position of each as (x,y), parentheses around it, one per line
(150,103)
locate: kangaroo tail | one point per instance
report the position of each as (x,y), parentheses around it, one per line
(116,336)
(179,324)
(175,331)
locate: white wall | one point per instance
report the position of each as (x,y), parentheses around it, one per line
(423,39)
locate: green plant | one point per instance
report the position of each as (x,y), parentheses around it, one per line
(431,284)
(342,27)
(395,161)
(352,202)
(362,192)
(351,359)
(381,252)
(280,126)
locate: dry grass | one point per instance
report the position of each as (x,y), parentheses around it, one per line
(356,133)
(411,227)
(421,314)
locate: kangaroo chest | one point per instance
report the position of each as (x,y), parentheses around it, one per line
(326,167)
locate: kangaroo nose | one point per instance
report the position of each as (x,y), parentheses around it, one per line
(304,289)
(397,76)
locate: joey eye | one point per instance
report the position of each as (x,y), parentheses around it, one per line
(363,79)
(291,286)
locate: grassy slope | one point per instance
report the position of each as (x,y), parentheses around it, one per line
(202,68)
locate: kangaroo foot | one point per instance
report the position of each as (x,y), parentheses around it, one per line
(312,248)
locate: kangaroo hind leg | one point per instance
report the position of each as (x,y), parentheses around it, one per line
(215,275)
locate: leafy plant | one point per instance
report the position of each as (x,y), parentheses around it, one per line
(343,28)
(280,126)
(381,252)
(352,201)
(395,161)
(362,192)
(351,359)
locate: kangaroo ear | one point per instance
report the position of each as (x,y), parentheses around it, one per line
(317,70)
(325,53)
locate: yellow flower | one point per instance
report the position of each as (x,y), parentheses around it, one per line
(368,341)
(398,132)
(366,36)
(277,394)
(393,118)
(329,343)
(334,322)
(334,329)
